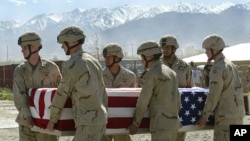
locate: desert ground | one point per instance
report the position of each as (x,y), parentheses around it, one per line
(9,130)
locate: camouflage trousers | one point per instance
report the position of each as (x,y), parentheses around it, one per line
(25,134)
(116,138)
(89,132)
(222,128)
(164,135)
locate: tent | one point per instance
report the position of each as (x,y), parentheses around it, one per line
(239,54)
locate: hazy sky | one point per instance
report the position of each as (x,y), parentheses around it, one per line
(23,10)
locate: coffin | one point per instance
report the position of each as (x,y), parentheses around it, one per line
(121,104)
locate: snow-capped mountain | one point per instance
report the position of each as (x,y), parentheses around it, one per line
(6,25)
(130,25)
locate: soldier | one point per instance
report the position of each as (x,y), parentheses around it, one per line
(116,76)
(159,95)
(182,69)
(35,72)
(82,82)
(225,97)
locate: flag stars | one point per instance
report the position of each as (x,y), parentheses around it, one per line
(193,119)
(186,99)
(199,113)
(193,106)
(187,113)
(181,120)
(193,93)
(199,99)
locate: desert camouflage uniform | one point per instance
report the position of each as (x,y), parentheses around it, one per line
(45,75)
(125,78)
(161,96)
(184,75)
(183,71)
(225,98)
(82,81)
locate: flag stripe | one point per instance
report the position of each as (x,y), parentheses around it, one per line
(116,122)
(122,101)
(123,112)
(42,103)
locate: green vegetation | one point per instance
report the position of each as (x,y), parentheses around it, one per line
(6,94)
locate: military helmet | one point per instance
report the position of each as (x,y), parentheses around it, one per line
(213,42)
(169,40)
(70,34)
(30,38)
(113,49)
(149,48)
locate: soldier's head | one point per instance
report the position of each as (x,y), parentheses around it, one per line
(70,38)
(30,43)
(169,44)
(214,45)
(149,51)
(112,54)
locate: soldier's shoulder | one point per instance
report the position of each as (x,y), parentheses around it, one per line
(182,62)
(47,62)
(217,69)
(128,72)
(21,66)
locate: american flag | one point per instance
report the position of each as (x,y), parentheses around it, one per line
(192,104)
(121,105)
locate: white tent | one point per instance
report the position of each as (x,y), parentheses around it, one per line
(236,53)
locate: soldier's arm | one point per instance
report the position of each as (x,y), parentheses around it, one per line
(215,90)
(21,97)
(56,76)
(143,100)
(63,92)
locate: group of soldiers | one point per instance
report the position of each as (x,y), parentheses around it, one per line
(84,80)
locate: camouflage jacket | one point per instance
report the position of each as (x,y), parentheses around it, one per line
(45,75)
(161,97)
(125,78)
(82,81)
(225,98)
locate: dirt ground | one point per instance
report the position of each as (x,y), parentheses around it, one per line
(9,130)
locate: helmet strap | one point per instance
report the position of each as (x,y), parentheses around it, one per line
(30,53)
(70,47)
(147,61)
(114,62)
(214,55)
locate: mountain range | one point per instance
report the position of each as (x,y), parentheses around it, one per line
(130,25)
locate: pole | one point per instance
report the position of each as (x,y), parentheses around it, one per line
(7,53)
(97,49)
(132,51)
(98,57)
